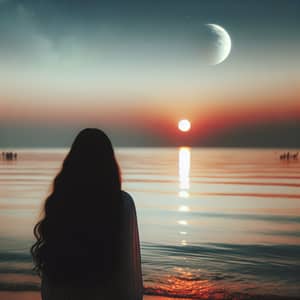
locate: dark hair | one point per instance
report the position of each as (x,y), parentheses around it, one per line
(78,236)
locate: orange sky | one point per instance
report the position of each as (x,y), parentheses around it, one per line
(217,113)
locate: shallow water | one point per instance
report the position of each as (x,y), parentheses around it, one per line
(214,223)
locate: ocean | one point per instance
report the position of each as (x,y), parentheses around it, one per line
(214,223)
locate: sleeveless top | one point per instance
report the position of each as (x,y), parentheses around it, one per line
(128,284)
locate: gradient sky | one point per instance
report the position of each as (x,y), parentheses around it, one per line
(134,68)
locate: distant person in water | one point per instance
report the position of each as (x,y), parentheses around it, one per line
(87,244)
(9,156)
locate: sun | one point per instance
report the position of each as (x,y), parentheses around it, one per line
(184,125)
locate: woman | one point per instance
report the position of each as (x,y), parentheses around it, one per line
(87,242)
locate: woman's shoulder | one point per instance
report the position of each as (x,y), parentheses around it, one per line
(128,200)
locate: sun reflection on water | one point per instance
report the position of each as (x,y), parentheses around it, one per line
(182,222)
(183,208)
(184,168)
(185,283)
(183,194)
(184,165)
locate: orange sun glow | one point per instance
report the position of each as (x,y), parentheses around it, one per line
(184,125)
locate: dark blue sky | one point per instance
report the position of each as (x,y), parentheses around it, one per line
(251,22)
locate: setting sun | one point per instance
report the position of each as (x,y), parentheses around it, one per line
(184,125)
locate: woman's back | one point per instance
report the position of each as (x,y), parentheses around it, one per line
(125,284)
(87,243)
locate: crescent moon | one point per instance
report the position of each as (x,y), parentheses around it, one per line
(223,43)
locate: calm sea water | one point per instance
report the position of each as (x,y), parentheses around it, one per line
(214,223)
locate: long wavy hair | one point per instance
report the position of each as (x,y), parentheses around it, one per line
(78,237)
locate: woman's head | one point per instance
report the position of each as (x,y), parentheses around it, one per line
(91,162)
(80,230)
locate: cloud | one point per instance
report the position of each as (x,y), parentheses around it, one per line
(274,134)
(22,42)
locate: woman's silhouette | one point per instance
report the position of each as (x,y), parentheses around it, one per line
(87,241)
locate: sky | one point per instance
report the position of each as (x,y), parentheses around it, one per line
(134,68)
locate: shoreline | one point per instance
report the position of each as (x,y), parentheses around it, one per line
(21,295)
(8,295)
